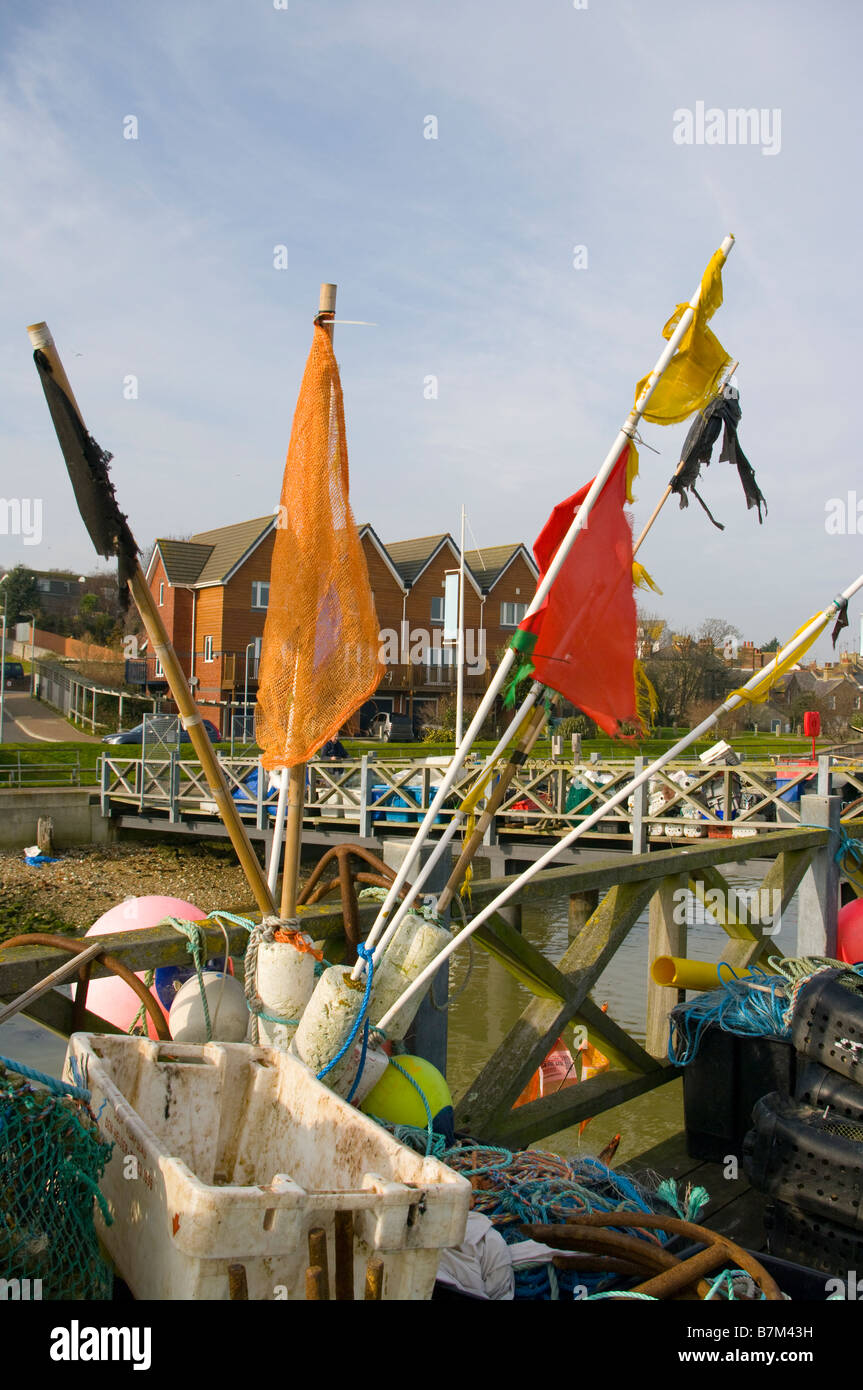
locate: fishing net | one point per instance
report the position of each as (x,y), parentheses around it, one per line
(51,1160)
(319,658)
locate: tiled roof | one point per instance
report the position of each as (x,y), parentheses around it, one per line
(410,557)
(228,545)
(183,560)
(489,563)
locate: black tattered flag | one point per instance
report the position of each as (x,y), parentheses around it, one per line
(87,463)
(698,448)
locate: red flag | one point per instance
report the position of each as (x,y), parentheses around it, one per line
(585,632)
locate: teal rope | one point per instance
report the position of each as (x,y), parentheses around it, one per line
(195,947)
(728,1276)
(426,1106)
(58,1088)
(621,1293)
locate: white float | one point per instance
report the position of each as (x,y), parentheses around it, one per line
(414,945)
(285,983)
(226,1001)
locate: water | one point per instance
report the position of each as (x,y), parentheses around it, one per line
(482,1015)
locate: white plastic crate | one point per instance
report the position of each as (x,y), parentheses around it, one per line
(231,1153)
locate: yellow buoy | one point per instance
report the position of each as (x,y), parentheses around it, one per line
(395,1099)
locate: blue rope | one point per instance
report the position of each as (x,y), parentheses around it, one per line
(365,954)
(59,1088)
(739,1007)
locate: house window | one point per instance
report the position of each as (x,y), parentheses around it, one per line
(511,614)
(437,609)
(260,595)
(161,595)
(159,669)
(254,656)
(208,649)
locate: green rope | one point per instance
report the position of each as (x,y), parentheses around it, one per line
(139,1022)
(426,1106)
(195,945)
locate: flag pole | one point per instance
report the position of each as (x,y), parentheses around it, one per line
(40,337)
(517,759)
(667,493)
(624,434)
(797,644)
(296,776)
(459,697)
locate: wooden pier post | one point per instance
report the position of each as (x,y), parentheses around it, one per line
(818,895)
(666,937)
(581,907)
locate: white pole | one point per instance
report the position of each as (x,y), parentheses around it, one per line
(458,816)
(619,796)
(401,877)
(459,697)
(579,522)
(278,829)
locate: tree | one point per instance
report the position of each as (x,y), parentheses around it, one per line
(684,674)
(772,646)
(717,631)
(20,594)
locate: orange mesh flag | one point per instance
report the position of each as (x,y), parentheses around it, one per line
(582,641)
(319,657)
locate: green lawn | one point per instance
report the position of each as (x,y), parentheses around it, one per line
(54,763)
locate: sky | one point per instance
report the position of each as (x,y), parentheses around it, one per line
(179,179)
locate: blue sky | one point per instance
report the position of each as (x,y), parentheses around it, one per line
(304,127)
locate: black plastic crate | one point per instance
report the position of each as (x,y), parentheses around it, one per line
(722,1084)
(827,1091)
(798,1155)
(803,1239)
(827,1024)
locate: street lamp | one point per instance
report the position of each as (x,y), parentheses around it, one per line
(250,647)
(3,661)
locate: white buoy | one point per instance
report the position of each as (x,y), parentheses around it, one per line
(415,944)
(226,1001)
(285,983)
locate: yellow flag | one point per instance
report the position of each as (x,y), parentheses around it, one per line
(762,688)
(692,376)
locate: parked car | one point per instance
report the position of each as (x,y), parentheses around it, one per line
(136,735)
(14,677)
(392,728)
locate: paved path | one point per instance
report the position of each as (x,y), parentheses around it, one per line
(26,720)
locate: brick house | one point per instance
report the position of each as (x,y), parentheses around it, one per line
(212,591)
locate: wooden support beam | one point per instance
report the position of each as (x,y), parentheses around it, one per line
(534,1121)
(666,937)
(622,1051)
(491,1095)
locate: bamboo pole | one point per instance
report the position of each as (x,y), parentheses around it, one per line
(297,775)
(624,434)
(40,337)
(797,644)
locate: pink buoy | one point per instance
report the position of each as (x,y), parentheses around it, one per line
(110,998)
(849,932)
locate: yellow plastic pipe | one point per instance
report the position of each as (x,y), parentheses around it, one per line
(679,973)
